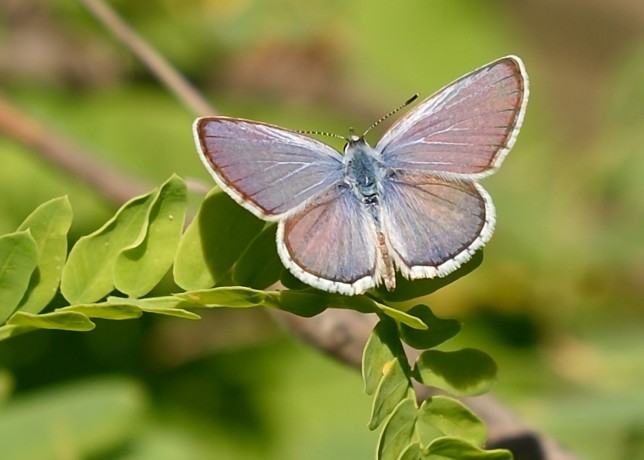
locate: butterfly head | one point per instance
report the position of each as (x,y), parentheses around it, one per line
(354,141)
(357,141)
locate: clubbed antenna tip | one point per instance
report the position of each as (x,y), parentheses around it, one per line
(397,109)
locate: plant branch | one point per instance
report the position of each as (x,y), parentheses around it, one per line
(156,63)
(114,185)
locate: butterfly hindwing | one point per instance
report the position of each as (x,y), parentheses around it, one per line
(331,243)
(434,225)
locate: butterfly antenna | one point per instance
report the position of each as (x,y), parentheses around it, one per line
(396,110)
(322,133)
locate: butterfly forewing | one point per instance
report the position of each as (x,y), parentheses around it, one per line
(434,225)
(466,128)
(331,243)
(269,170)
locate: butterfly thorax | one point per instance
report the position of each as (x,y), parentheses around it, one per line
(363,173)
(362,169)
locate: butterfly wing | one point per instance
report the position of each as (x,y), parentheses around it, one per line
(465,129)
(269,170)
(331,243)
(434,225)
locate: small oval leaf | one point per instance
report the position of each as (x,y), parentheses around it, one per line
(301,303)
(140,267)
(457,449)
(234,297)
(18,259)
(214,241)
(382,347)
(66,321)
(259,266)
(399,431)
(466,372)
(452,418)
(412,452)
(105,310)
(88,273)
(48,224)
(402,317)
(438,330)
(393,388)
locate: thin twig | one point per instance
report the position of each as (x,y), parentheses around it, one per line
(155,62)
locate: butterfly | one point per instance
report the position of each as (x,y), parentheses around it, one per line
(413,203)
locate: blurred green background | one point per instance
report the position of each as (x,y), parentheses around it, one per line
(558,301)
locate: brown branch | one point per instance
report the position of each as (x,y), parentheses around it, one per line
(156,63)
(114,185)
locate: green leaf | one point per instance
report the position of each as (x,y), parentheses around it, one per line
(301,303)
(18,259)
(290,281)
(168,306)
(399,432)
(466,372)
(438,330)
(452,418)
(140,266)
(412,289)
(457,449)
(170,301)
(234,297)
(359,303)
(213,242)
(120,308)
(259,265)
(105,310)
(190,270)
(412,452)
(88,273)
(48,225)
(66,320)
(393,388)
(404,318)
(382,347)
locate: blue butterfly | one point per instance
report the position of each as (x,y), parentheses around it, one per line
(412,203)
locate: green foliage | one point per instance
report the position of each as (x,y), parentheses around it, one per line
(437,330)
(89,273)
(213,242)
(140,266)
(227,258)
(466,372)
(18,260)
(48,225)
(442,427)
